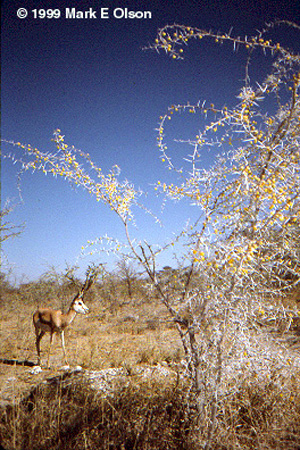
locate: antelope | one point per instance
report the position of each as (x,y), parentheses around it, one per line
(48,320)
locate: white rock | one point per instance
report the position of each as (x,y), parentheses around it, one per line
(64,368)
(36,370)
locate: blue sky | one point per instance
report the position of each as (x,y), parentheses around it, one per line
(91,79)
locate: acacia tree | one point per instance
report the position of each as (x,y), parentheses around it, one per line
(128,275)
(246,235)
(7,229)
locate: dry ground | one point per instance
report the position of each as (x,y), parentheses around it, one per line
(262,414)
(134,332)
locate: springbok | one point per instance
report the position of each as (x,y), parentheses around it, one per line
(48,320)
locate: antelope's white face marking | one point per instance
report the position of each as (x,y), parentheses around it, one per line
(80,307)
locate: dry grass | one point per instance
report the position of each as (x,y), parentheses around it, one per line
(130,335)
(260,414)
(150,417)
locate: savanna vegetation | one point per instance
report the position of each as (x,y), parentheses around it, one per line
(224,321)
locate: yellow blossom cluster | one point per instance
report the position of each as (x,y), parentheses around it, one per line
(254,187)
(172,36)
(73,165)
